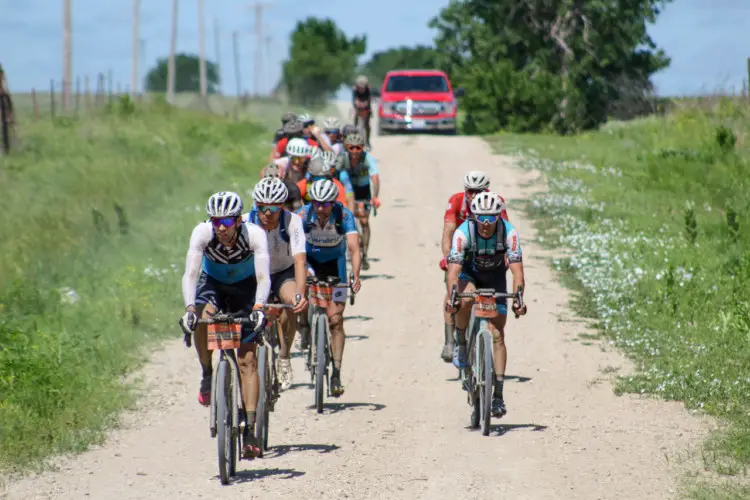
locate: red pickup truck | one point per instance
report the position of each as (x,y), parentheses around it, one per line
(418,100)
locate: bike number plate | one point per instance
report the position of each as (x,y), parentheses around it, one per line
(418,124)
(224,336)
(485,307)
(321,295)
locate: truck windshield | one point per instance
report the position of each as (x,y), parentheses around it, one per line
(406,83)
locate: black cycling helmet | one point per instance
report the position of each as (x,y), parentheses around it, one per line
(288,117)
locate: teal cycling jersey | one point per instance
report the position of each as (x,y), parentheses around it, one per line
(479,255)
(361,172)
(329,242)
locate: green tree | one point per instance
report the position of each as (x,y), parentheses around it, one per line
(321,59)
(536,64)
(418,57)
(187,75)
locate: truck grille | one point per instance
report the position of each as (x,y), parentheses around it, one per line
(418,108)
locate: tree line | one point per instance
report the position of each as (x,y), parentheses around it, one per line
(526,65)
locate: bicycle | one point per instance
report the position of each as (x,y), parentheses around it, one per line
(479,377)
(319,354)
(268,353)
(225,336)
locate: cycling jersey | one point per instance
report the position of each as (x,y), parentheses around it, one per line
(361,95)
(343,177)
(482,255)
(361,172)
(227,265)
(341,198)
(326,243)
(282,247)
(458,210)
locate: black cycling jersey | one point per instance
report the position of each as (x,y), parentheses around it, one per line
(362,95)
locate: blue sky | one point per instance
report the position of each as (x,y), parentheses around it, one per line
(707,40)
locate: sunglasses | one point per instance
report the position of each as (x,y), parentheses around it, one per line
(264,209)
(354,148)
(224,221)
(322,204)
(487,219)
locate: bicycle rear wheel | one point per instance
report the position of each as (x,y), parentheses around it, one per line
(486,379)
(226,440)
(321,361)
(261,411)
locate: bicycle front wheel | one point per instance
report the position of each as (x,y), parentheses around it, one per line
(485,369)
(261,411)
(226,440)
(321,361)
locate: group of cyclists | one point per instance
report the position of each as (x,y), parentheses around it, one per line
(310,216)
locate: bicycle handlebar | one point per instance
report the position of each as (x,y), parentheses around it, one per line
(234,318)
(487,292)
(334,281)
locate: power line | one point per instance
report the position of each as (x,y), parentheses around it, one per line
(202,44)
(172,48)
(217,49)
(258,6)
(136,48)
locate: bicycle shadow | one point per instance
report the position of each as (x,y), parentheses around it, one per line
(281,450)
(366,277)
(359,317)
(508,378)
(339,407)
(245,476)
(501,429)
(306,385)
(357,337)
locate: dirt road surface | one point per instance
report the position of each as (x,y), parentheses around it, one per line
(399,431)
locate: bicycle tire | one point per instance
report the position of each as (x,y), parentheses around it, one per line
(226,440)
(261,411)
(486,369)
(321,336)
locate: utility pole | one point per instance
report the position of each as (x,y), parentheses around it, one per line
(268,41)
(258,6)
(236,52)
(136,48)
(172,48)
(202,44)
(67,54)
(217,50)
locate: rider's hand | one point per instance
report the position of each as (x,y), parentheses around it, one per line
(188,322)
(301,304)
(356,285)
(450,308)
(519,311)
(257,320)
(444,263)
(375,202)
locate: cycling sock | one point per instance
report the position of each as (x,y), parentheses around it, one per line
(499,381)
(460,336)
(336,366)
(250,418)
(207,370)
(448,333)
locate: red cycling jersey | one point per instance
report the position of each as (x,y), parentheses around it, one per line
(280,148)
(458,211)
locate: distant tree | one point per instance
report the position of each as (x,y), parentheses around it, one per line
(419,57)
(321,59)
(187,75)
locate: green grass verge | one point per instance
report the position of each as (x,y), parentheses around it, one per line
(97,216)
(656,212)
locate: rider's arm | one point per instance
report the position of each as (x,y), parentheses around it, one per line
(456,256)
(372,168)
(297,248)
(198,240)
(449,228)
(504,213)
(259,245)
(347,183)
(515,256)
(352,242)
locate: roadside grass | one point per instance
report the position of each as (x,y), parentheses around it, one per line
(656,213)
(97,215)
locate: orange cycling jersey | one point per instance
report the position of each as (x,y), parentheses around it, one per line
(302,185)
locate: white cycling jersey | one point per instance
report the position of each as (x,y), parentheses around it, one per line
(283,252)
(247,257)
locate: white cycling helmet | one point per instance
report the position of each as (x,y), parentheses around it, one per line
(306,119)
(271,190)
(315,151)
(331,123)
(318,166)
(476,180)
(487,203)
(361,81)
(224,204)
(297,147)
(324,190)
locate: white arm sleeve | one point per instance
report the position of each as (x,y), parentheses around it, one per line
(296,235)
(259,245)
(201,236)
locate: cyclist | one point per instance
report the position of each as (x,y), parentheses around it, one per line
(317,170)
(227,267)
(330,231)
(313,133)
(477,259)
(294,198)
(293,166)
(332,129)
(286,243)
(361,100)
(459,209)
(292,130)
(285,118)
(363,172)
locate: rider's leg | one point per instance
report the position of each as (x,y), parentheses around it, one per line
(367,128)
(287,292)
(462,321)
(249,382)
(338,339)
(449,343)
(365,222)
(303,320)
(497,326)
(207,301)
